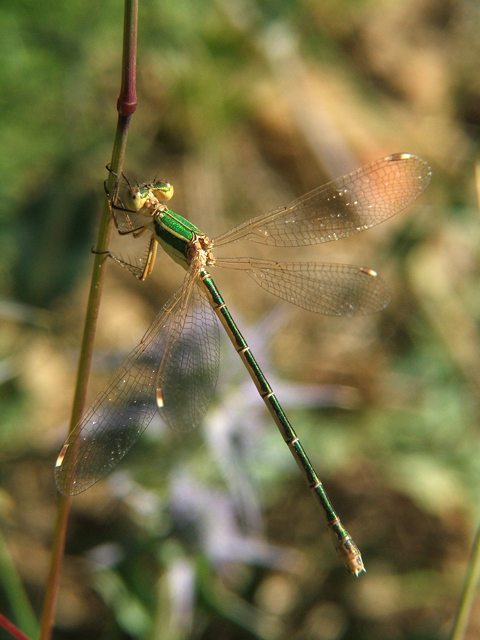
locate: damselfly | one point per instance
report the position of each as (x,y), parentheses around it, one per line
(174,369)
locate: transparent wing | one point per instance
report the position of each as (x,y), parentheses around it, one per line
(127,221)
(173,370)
(342,207)
(188,373)
(331,289)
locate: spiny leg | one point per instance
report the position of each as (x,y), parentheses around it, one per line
(139,272)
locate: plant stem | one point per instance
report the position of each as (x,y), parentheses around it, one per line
(126,106)
(22,611)
(12,629)
(469,592)
(473,573)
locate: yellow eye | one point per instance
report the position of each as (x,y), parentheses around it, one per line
(135,199)
(162,191)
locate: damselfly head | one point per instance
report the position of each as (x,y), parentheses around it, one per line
(147,196)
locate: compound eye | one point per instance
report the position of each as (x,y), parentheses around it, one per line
(134,199)
(162,191)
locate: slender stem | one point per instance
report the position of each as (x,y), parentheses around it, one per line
(469,592)
(127,100)
(473,573)
(12,629)
(126,106)
(22,611)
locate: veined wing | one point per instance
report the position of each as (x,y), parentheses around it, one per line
(342,207)
(179,354)
(331,289)
(127,221)
(188,373)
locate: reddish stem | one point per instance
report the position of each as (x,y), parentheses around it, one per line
(127,100)
(126,105)
(12,629)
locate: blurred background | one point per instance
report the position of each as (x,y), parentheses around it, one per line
(243,106)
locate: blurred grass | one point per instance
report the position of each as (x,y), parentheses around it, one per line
(243,106)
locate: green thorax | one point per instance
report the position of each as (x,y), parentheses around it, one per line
(174,234)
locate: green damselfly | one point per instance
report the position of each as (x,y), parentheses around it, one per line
(174,369)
